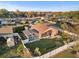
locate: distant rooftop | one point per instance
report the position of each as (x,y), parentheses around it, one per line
(6,30)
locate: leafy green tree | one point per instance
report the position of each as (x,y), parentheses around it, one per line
(4,13)
(18,29)
(65,38)
(37,52)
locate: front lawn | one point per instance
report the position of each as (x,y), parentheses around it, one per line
(44,45)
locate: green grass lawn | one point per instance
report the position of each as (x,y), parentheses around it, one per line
(45,45)
(9,53)
(6,52)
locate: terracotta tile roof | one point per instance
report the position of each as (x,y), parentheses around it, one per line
(6,29)
(39,27)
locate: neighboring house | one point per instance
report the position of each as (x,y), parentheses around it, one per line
(12,39)
(39,31)
(6,30)
(6,21)
(7,33)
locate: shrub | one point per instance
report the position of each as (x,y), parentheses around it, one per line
(18,29)
(2,40)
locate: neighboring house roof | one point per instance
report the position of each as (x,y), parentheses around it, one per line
(40,27)
(6,29)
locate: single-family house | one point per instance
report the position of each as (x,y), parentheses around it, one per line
(12,40)
(6,30)
(5,21)
(39,31)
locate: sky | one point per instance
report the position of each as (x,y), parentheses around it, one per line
(40,5)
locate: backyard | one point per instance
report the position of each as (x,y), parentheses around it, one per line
(44,45)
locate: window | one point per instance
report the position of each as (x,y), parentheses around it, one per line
(35,31)
(46,34)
